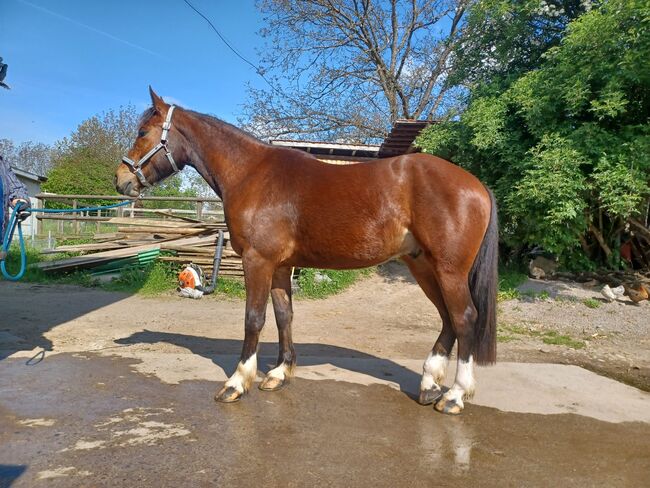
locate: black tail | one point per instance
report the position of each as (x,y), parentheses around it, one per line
(483,285)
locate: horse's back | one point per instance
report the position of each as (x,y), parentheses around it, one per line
(360,214)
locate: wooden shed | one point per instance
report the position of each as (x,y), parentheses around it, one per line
(333,152)
(401,137)
(399,141)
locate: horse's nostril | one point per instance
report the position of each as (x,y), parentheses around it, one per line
(127,188)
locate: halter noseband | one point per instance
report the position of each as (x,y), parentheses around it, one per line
(136,168)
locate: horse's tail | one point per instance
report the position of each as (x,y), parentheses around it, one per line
(483,285)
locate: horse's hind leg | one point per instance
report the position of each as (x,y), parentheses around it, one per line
(282,306)
(455,291)
(435,366)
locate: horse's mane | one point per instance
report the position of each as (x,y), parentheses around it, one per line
(208,119)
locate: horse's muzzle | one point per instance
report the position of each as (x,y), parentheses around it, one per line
(127,184)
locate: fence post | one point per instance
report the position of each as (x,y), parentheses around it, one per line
(199,209)
(40,203)
(76,222)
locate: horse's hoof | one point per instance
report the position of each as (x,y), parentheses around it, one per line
(448,406)
(228,394)
(271,383)
(432,395)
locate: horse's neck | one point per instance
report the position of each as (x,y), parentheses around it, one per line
(222,155)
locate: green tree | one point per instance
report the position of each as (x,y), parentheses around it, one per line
(502,39)
(85,162)
(81,173)
(566,146)
(172,187)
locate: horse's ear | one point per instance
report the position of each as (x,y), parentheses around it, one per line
(156,101)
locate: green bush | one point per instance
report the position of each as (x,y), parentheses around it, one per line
(565,146)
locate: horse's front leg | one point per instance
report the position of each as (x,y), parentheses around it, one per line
(257,277)
(282,306)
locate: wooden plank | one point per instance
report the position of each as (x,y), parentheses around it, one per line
(93,259)
(207,240)
(103,246)
(150,222)
(180,217)
(168,230)
(201,260)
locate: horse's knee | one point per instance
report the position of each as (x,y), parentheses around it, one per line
(254,321)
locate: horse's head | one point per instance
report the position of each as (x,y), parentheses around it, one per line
(156,154)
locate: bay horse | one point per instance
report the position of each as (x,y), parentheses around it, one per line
(285,208)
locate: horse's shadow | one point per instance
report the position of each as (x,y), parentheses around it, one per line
(224,353)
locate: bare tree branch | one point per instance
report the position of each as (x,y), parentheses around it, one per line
(347,69)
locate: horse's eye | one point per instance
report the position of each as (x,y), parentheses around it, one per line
(142,133)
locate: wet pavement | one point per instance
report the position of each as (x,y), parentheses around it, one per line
(89,420)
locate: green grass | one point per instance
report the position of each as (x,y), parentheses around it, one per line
(518,329)
(161,277)
(592,303)
(509,279)
(556,339)
(33,274)
(338,281)
(506,338)
(230,288)
(548,337)
(154,279)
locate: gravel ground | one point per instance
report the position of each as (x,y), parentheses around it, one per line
(615,334)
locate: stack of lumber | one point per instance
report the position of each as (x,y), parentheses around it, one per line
(186,240)
(200,250)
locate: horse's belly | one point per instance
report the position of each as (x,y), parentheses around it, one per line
(354,251)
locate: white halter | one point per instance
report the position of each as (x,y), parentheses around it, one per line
(136,168)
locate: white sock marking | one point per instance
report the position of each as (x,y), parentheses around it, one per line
(279,372)
(464,383)
(243,377)
(433,371)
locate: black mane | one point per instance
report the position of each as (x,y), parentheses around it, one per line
(208,119)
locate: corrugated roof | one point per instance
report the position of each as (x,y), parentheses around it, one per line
(401,137)
(330,148)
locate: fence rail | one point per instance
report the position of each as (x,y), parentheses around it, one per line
(80,220)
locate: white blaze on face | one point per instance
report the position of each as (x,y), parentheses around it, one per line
(433,371)
(464,384)
(246,372)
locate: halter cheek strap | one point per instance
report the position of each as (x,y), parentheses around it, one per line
(136,167)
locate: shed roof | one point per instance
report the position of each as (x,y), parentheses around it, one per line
(330,148)
(28,175)
(401,137)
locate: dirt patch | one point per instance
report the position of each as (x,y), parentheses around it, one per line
(386,316)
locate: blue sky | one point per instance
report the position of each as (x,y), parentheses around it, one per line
(71,59)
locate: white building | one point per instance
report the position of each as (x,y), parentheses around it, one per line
(33,184)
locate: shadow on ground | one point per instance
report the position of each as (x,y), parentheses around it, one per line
(224,353)
(10,473)
(28,311)
(395,272)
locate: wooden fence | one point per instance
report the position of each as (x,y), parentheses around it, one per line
(80,221)
(189,235)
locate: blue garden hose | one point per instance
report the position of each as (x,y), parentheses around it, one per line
(14,221)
